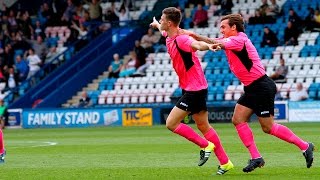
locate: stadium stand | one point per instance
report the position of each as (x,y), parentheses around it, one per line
(160,87)
(303,62)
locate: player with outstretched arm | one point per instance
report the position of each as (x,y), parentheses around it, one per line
(181,49)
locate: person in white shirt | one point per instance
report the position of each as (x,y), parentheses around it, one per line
(34,62)
(299,94)
(123,15)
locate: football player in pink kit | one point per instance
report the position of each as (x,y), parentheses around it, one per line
(259,90)
(181,49)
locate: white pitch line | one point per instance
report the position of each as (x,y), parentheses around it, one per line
(40,144)
(46,144)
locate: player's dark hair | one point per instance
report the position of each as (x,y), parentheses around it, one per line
(235,19)
(173,14)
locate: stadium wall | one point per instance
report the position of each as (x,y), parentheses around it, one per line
(308,111)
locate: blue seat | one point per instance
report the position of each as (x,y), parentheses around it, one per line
(220,97)
(211,97)
(211,82)
(208,71)
(312,94)
(212,89)
(304,54)
(218,83)
(217,70)
(226,83)
(314,53)
(225,71)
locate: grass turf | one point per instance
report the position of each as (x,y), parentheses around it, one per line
(147,153)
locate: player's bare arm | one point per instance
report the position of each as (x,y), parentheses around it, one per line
(200,45)
(198,37)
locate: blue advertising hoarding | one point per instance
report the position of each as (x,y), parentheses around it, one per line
(33,118)
(14,117)
(281,110)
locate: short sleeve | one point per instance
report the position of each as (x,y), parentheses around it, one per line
(184,43)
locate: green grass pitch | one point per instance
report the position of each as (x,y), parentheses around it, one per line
(147,153)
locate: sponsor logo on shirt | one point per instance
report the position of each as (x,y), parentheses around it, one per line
(264,112)
(183,104)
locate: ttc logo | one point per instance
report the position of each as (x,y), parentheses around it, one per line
(132,114)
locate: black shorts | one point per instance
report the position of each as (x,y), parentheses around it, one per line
(259,96)
(193,101)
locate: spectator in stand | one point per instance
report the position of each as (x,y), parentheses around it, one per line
(79,15)
(40,47)
(273,10)
(123,15)
(82,32)
(13,24)
(148,40)
(58,8)
(130,67)
(7,56)
(291,34)
(269,38)
(200,17)
(38,30)
(85,100)
(12,79)
(34,62)
(53,53)
(257,18)
(115,67)
(309,21)
(22,68)
(299,94)
(141,52)
(264,7)
(317,18)
(281,72)
(67,15)
(141,64)
(294,18)
(226,6)
(95,9)
(25,25)
(47,13)
(19,43)
(111,17)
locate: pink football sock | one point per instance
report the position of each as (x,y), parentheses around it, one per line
(247,139)
(213,137)
(1,142)
(284,133)
(188,133)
